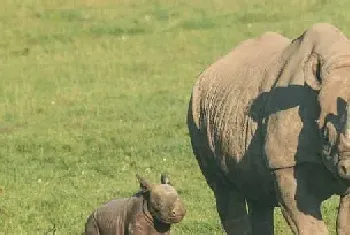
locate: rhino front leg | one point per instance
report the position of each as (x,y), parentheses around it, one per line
(343,220)
(300,207)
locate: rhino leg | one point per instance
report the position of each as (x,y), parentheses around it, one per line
(231,206)
(343,220)
(261,217)
(300,206)
(230,203)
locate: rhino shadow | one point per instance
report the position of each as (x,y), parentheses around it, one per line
(283,98)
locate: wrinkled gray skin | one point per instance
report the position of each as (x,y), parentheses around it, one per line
(149,212)
(268,128)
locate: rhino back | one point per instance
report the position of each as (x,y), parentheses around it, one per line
(228,99)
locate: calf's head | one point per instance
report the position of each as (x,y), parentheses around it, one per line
(163,201)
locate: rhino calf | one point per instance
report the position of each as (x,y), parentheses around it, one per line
(151,211)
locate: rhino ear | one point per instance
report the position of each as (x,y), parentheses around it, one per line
(145,186)
(164,179)
(313,75)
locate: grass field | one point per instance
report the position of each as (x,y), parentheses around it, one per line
(92,92)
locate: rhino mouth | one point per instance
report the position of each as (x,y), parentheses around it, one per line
(171,219)
(338,162)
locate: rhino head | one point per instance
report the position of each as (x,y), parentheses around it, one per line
(332,81)
(327,71)
(335,135)
(163,201)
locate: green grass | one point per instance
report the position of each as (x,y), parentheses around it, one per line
(92,92)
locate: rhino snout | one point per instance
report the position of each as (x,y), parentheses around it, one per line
(178,212)
(344,169)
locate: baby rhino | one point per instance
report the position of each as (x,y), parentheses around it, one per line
(151,211)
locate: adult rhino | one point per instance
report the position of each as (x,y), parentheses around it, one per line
(268,127)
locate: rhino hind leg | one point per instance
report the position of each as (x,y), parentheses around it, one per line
(231,206)
(262,217)
(230,203)
(300,208)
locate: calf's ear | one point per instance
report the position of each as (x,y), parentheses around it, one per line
(144,184)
